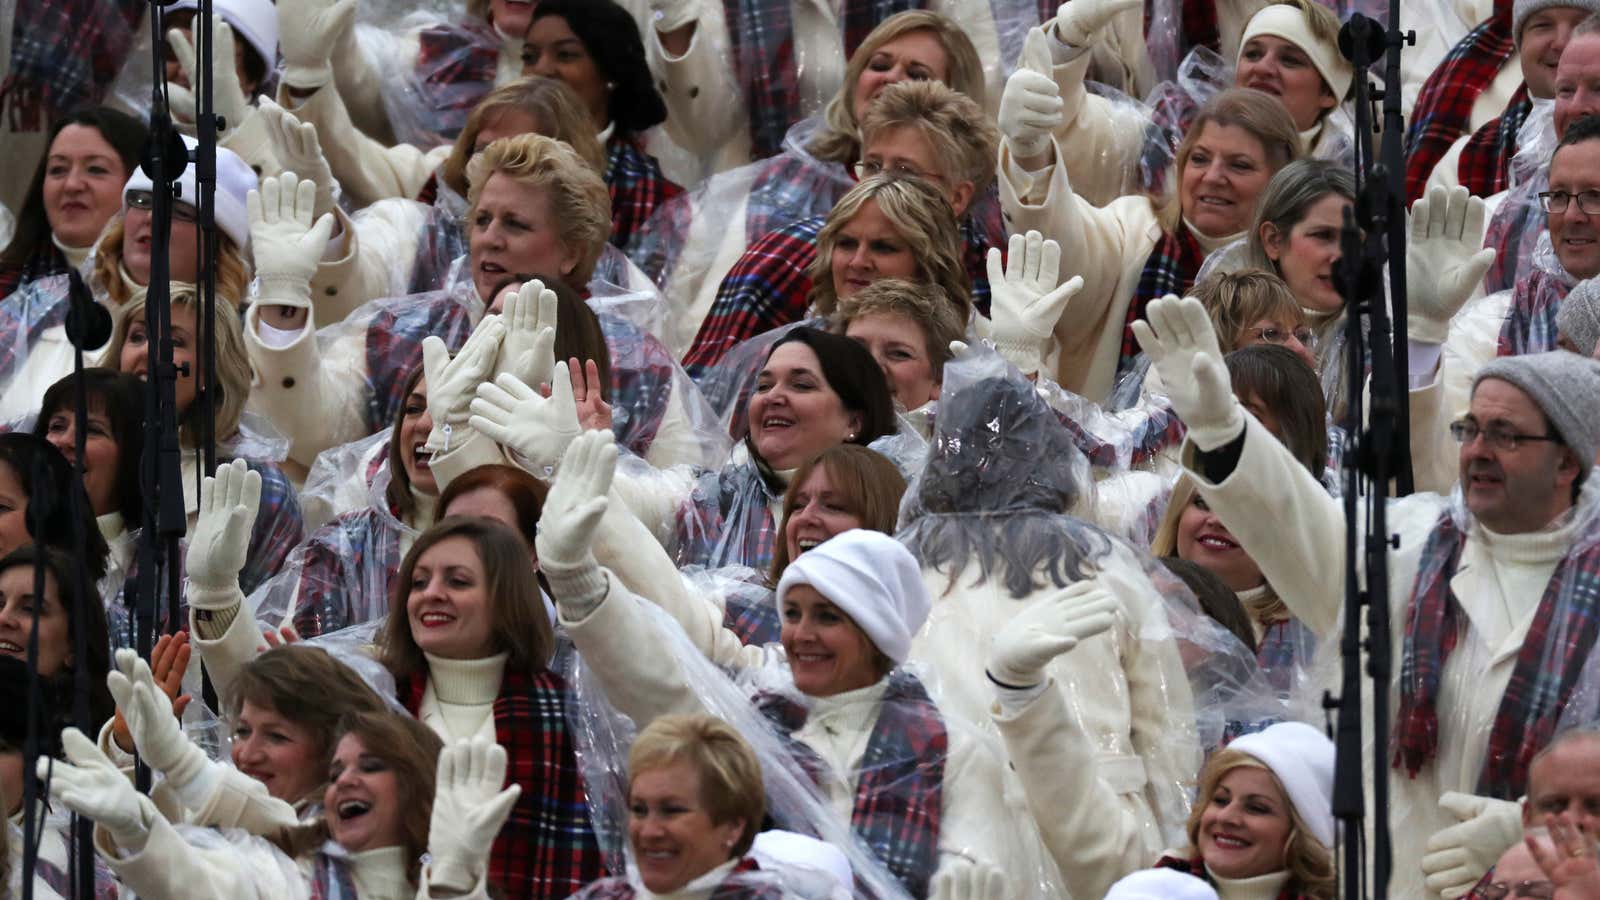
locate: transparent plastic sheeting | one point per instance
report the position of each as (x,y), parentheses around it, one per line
(1517,222)
(34,350)
(340,480)
(55,841)
(355,647)
(434,70)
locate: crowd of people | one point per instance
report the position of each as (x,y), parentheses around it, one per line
(787,449)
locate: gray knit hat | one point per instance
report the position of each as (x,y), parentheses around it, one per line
(1566,387)
(1522,9)
(1579,316)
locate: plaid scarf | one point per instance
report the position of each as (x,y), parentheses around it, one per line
(394,347)
(37,306)
(637,187)
(761,42)
(1485,163)
(1285,647)
(1170,269)
(1563,631)
(733,887)
(1443,111)
(64,54)
(1530,325)
(734,527)
(900,795)
(1197,868)
(346,571)
(455,68)
(547,848)
(331,879)
(43,262)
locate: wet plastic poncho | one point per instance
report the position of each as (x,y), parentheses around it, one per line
(1518,219)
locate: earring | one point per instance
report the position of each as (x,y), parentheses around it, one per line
(851,436)
(611,85)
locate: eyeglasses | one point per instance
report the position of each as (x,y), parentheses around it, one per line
(1556,201)
(901,170)
(1531,890)
(1272,334)
(181,212)
(1498,438)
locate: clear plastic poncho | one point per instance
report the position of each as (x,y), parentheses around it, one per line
(1518,220)
(429,96)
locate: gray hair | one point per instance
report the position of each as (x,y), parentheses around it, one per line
(1287,197)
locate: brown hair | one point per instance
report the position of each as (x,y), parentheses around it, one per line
(927,305)
(870,487)
(556,110)
(1261,115)
(730,775)
(234,374)
(525,493)
(233,276)
(1310,865)
(580,204)
(1287,385)
(398,493)
(1239,299)
(517,616)
(956,128)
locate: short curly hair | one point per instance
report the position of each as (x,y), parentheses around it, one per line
(580,205)
(730,775)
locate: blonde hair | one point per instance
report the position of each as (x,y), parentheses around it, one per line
(580,205)
(232,364)
(556,110)
(963,139)
(837,140)
(730,775)
(1237,300)
(1310,865)
(1263,116)
(233,274)
(924,220)
(927,305)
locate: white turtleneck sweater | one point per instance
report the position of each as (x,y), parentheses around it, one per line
(380,874)
(1261,887)
(838,729)
(458,701)
(75,255)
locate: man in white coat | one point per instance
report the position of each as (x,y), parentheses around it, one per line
(1494,593)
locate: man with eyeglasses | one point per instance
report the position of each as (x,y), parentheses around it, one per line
(1494,592)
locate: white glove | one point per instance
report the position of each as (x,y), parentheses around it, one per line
(227,94)
(529,349)
(90,785)
(298,149)
(452,382)
(1048,628)
(309,30)
(1078,21)
(1025,301)
(157,733)
(468,809)
(962,880)
(1182,346)
(1445,260)
(1455,858)
(577,502)
(1030,105)
(286,244)
(670,15)
(220,541)
(513,415)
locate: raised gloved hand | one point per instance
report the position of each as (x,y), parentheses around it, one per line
(169,660)
(1182,347)
(670,15)
(220,541)
(157,733)
(1445,260)
(312,29)
(529,349)
(92,786)
(513,415)
(469,807)
(452,383)
(571,516)
(1030,105)
(1025,300)
(298,149)
(227,94)
(1456,857)
(286,244)
(1078,21)
(958,879)
(1048,628)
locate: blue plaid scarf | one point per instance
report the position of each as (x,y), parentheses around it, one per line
(1530,325)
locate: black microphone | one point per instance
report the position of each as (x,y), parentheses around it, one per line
(88,323)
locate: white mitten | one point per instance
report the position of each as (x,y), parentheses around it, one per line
(90,785)
(469,807)
(227,94)
(1456,857)
(513,415)
(453,382)
(1078,21)
(958,879)
(670,15)
(286,244)
(1031,105)
(528,351)
(1048,628)
(1445,260)
(1025,300)
(308,33)
(220,540)
(1182,347)
(298,149)
(570,519)
(157,733)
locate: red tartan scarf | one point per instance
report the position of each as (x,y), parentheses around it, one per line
(547,848)
(46,260)
(1170,269)
(1563,631)
(900,795)
(331,879)
(1485,163)
(733,887)
(1197,868)
(1443,111)
(64,54)
(761,41)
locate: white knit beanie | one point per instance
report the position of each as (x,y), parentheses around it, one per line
(1281,20)
(1578,317)
(235,181)
(1522,10)
(1302,759)
(873,579)
(254,20)
(1566,388)
(1161,884)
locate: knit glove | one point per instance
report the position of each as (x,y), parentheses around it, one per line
(1025,300)
(308,32)
(287,245)
(1078,21)
(513,415)
(529,349)
(1046,629)
(570,518)
(156,731)
(468,809)
(227,94)
(220,541)
(670,15)
(452,382)
(298,150)
(1031,105)
(90,785)
(959,879)
(1455,858)
(1182,347)
(1445,260)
